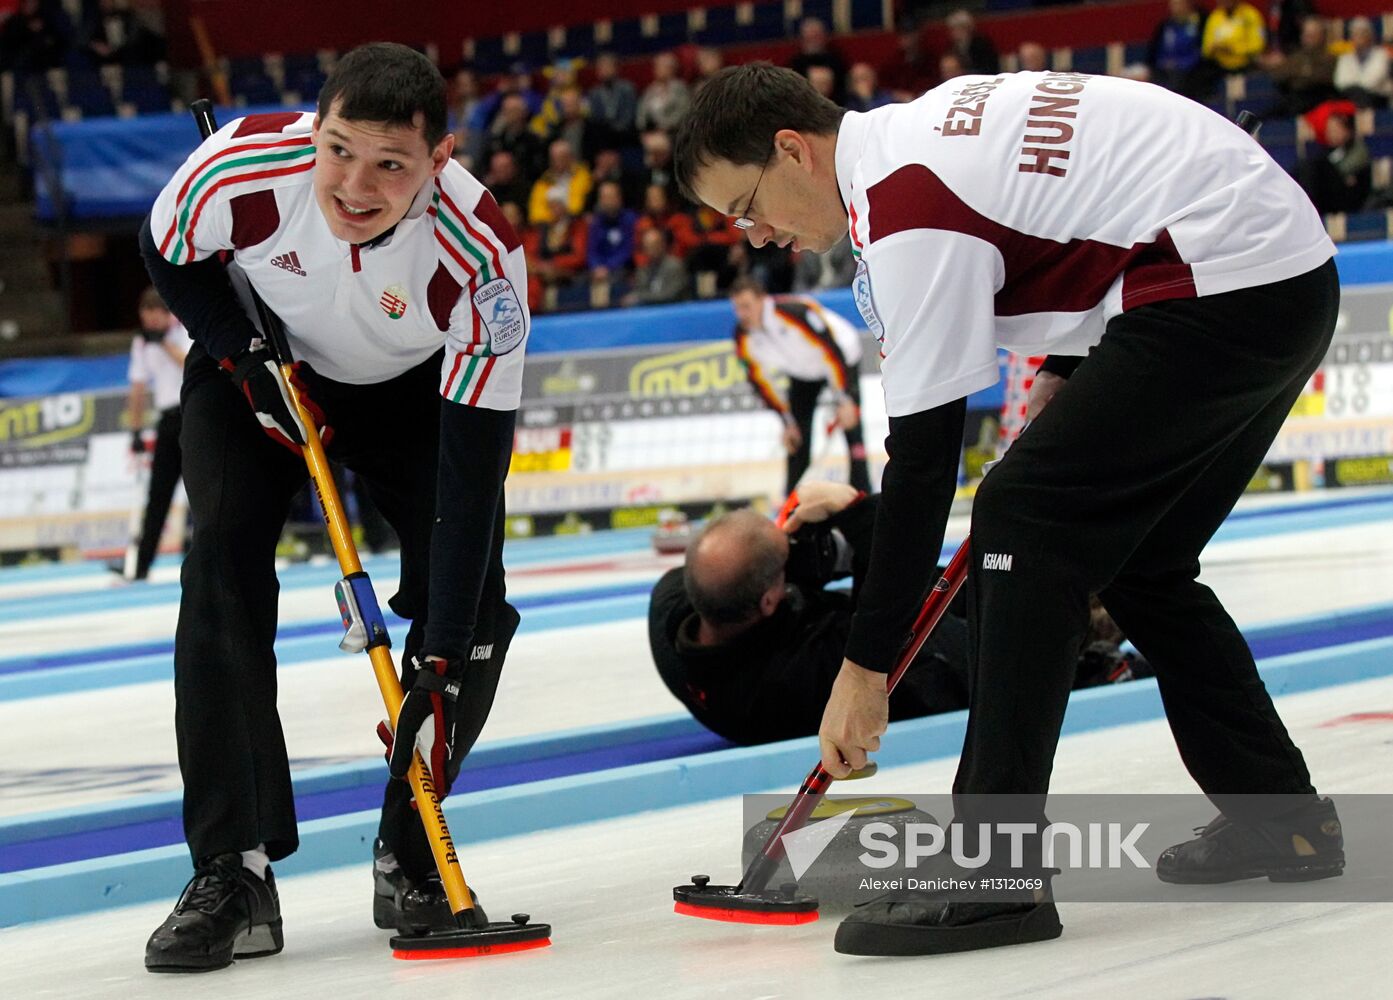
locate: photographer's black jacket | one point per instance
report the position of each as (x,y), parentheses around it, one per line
(772,682)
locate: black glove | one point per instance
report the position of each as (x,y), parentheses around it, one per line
(426,722)
(259,377)
(137,442)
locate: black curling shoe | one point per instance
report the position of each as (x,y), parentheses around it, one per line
(225,912)
(410,906)
(937,923)
(1301,846)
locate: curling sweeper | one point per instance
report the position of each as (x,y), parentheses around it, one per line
(753,901)
(367,630)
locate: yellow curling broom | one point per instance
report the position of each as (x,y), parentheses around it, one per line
(367,630)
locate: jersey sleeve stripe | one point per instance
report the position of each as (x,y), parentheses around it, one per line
(830,353)
(187,240)
(483,377)
(201,173)
(464,379)
(450,226)
(856,246)
(763,388)
(472,268)
(463,218)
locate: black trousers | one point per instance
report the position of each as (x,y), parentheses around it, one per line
(802,401)
(1115,489)
(232,753)
(164,476)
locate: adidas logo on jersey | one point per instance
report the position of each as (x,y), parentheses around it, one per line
(289,262)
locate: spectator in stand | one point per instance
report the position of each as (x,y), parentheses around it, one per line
(977,52)
(510,133)
(1340,179)
(574,125)
(815,271)
(1305,77)
(663,278)
(1174,52)
(34,38)
(613,101)
(505,181)
(708,63)
(1284,20)
(1031,57)
(666,99)
(517,218)
(824,81)
(710,260)
(518,80)
(115,35)
(950,65)
(815,50)
(1233,36)
(609,166)
(1361,74)
(561,80)
(464,105)
(566,179)
(657,162)
(609,247)
(863,91)
(658,213)
(556,251)
(911,70)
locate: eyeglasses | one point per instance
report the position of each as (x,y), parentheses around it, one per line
(745,223)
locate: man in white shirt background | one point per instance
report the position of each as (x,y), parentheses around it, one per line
(156,373)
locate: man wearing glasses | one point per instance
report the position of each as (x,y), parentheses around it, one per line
(1186,289)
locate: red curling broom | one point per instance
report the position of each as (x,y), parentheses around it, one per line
(753,901)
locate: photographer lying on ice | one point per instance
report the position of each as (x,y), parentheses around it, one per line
(749,637)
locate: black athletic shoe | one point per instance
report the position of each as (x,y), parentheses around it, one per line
(411,907)
(937,923)
(1299,847)
(226,912)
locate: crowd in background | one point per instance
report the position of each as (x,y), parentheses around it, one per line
(579,157)
(581,163)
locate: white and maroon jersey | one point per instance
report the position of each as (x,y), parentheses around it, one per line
(1024,210)
(154,367)
(448,273)
(801,339)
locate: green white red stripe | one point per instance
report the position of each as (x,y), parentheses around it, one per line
(235,165)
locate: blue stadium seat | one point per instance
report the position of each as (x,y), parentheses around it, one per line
(1380,144)
(148,98)
(33,95)
(867,15)
(1383,119)
(1285,155)
(768,23)
(820,9)
(1091,60)
(489,56)
(721,29)
(89,95)
(1278,131)
(1366,226)
(305,82)
(1135,52)
(1259,85)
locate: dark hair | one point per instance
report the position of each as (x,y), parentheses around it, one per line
(390,84)
(151,299)
(746,283)
(737,112)
(735,601)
